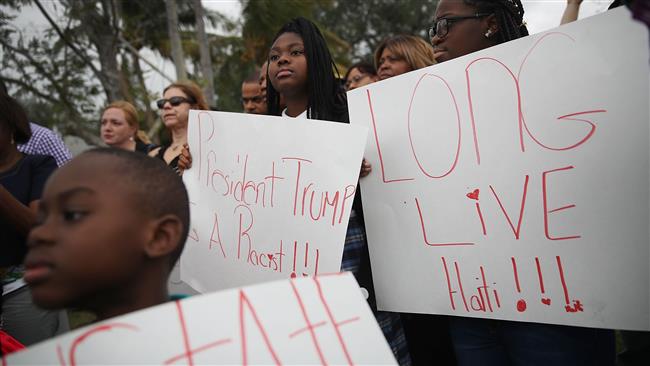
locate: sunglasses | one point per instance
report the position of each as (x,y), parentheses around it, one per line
(174,101)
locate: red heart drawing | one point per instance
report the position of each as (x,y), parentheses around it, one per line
(270,256)
(546,301)
(473,195)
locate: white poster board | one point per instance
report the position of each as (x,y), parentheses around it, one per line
(513,183)
(321,320)
(270,197)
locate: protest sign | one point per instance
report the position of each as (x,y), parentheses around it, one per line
(513,183)
(270,197)
(321,320)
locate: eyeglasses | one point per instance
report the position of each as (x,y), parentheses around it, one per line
(174,101)
(441,26)
(256,99)
(356,79)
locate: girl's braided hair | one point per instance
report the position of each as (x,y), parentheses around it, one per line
(509,15)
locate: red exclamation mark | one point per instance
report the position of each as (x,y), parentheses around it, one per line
(577,305)
(306,258)
(566,291)
(521,303)
(295,253)
(545,300)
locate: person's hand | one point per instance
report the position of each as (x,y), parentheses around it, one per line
(571,11)
(184,159)
(366,168)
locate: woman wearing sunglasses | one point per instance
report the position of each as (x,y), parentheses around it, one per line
(178,99)
(461,27)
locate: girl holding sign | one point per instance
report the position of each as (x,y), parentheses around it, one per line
(460,28)
(301,71)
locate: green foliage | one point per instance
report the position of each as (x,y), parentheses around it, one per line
(365,23)
(229,71)
(263,18)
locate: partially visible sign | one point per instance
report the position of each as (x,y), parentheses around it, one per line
(321,320)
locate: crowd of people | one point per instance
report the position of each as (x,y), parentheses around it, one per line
(74,237)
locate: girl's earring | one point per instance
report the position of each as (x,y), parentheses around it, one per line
(12,140)
(488,33)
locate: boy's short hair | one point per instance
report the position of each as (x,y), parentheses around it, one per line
(158,190)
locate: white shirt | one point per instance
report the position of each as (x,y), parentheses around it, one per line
(302,115)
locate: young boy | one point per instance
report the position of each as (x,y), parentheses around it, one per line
(111,225)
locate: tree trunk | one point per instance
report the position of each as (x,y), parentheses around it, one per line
(125,84)
(204,49)
(175,39)
(99,27)
(149,114)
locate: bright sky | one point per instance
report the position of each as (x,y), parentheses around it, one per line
(542,15)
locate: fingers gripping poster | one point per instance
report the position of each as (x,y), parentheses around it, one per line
(270,197)
(513,183)
(323,320)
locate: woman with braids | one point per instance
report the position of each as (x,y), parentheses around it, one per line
(301,72)
(476,24)
(461,27)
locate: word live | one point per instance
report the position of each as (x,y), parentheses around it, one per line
(516,229)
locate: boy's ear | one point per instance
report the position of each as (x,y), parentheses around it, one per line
(166,235)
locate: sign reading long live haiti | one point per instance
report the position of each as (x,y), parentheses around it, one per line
(270,197)
(513,183)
